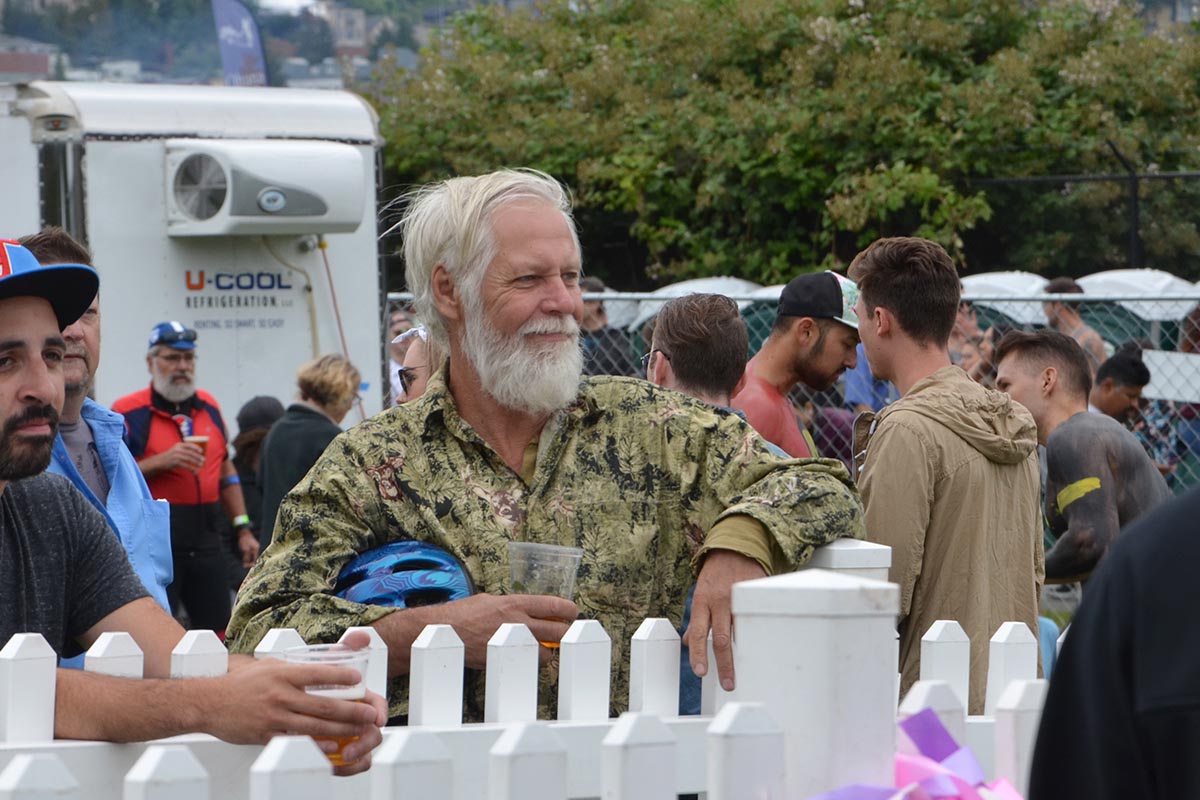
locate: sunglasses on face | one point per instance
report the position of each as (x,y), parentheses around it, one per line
(408,376)
(172,336)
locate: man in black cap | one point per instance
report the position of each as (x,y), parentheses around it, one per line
(813,342)
(65,576)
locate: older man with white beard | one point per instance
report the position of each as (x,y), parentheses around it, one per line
(510,443)
(177,434)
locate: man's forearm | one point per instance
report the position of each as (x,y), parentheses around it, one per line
(1072,558)
(105,708)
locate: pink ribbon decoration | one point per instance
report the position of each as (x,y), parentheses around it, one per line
(941,770)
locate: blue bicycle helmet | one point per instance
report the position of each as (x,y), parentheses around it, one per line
(404,575)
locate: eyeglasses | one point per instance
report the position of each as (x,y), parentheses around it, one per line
(170,336)
(646,358)
(175,359)
(408,376)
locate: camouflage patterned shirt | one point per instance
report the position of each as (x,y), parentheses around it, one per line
(633,474)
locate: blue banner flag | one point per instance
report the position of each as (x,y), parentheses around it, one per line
(241,47)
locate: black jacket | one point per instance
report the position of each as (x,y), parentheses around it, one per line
(294,444)
(1122,717)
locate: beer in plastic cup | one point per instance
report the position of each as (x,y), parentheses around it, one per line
(543,569)
(336,655)
(198,440)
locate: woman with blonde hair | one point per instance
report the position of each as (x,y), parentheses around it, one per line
(328,388)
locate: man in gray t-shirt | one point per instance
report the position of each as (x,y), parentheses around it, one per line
(64,575)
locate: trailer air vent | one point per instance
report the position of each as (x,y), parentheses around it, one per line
(200,186)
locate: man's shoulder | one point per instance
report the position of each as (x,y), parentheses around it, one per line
(1086,428)
(46,491)
(207,399)
(127,403)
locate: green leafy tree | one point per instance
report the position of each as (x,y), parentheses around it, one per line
(763,137)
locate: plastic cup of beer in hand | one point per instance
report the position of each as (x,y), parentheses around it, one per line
(201,441)
(334,655)
(543,569)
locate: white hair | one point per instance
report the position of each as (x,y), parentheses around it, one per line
(450,223)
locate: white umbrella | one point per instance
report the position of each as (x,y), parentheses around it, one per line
(1008,284)
(1149,282)
(732,287)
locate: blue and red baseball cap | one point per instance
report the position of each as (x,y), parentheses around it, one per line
(173,334)
(68,288)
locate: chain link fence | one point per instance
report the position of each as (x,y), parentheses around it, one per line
(1164,329)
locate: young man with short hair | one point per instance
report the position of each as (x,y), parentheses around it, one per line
(1098,477)
(1118,386)
(949,472)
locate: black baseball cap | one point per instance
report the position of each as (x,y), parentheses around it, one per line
(68,288)
(821,295)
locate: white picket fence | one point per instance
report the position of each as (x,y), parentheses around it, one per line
(815,708)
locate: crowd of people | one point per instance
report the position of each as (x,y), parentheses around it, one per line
(503,425)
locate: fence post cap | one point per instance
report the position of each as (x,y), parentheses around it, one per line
(1027,695)
(437,637)
(27,647)
(411,746)
(276,641)
(656,629)
(160,762)
(527,738)
(847,553)
(936,695)
(112,644)
(292,754)
(743,719)
(634,728)
(816,592)
(1013,633)
(512,634)
(585,631)
(195,642)
(37,771)
(945,630)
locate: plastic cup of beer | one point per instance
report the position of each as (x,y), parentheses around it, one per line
(334,655)
(202,441)
(543,569)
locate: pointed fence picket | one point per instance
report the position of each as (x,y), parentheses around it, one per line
(638,759)
(938,696)
(167,772)
(290,768)
(654,668)
(584,666)
(412,763)
(27,687)
(946,656)
(745,754)
(114,654)
(199,654)
(528,762)
(1012,656)
(510,685)
(38,776)
(1018,713)
(435,679)
(277,641)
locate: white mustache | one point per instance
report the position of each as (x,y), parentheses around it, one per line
(564,324)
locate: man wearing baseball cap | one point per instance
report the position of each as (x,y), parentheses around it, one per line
(177,434)
(66,577)
(812,342)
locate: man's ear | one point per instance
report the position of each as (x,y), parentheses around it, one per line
(1049,380)
(883,320)
(446,298)
(661,373)
(803,331)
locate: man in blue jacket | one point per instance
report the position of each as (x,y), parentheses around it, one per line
(89,448)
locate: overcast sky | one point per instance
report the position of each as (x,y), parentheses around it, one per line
(293,6)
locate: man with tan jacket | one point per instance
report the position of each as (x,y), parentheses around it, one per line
(949,472)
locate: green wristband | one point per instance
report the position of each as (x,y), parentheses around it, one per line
(241,521)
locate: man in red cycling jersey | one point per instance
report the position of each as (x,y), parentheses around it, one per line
(176,433)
